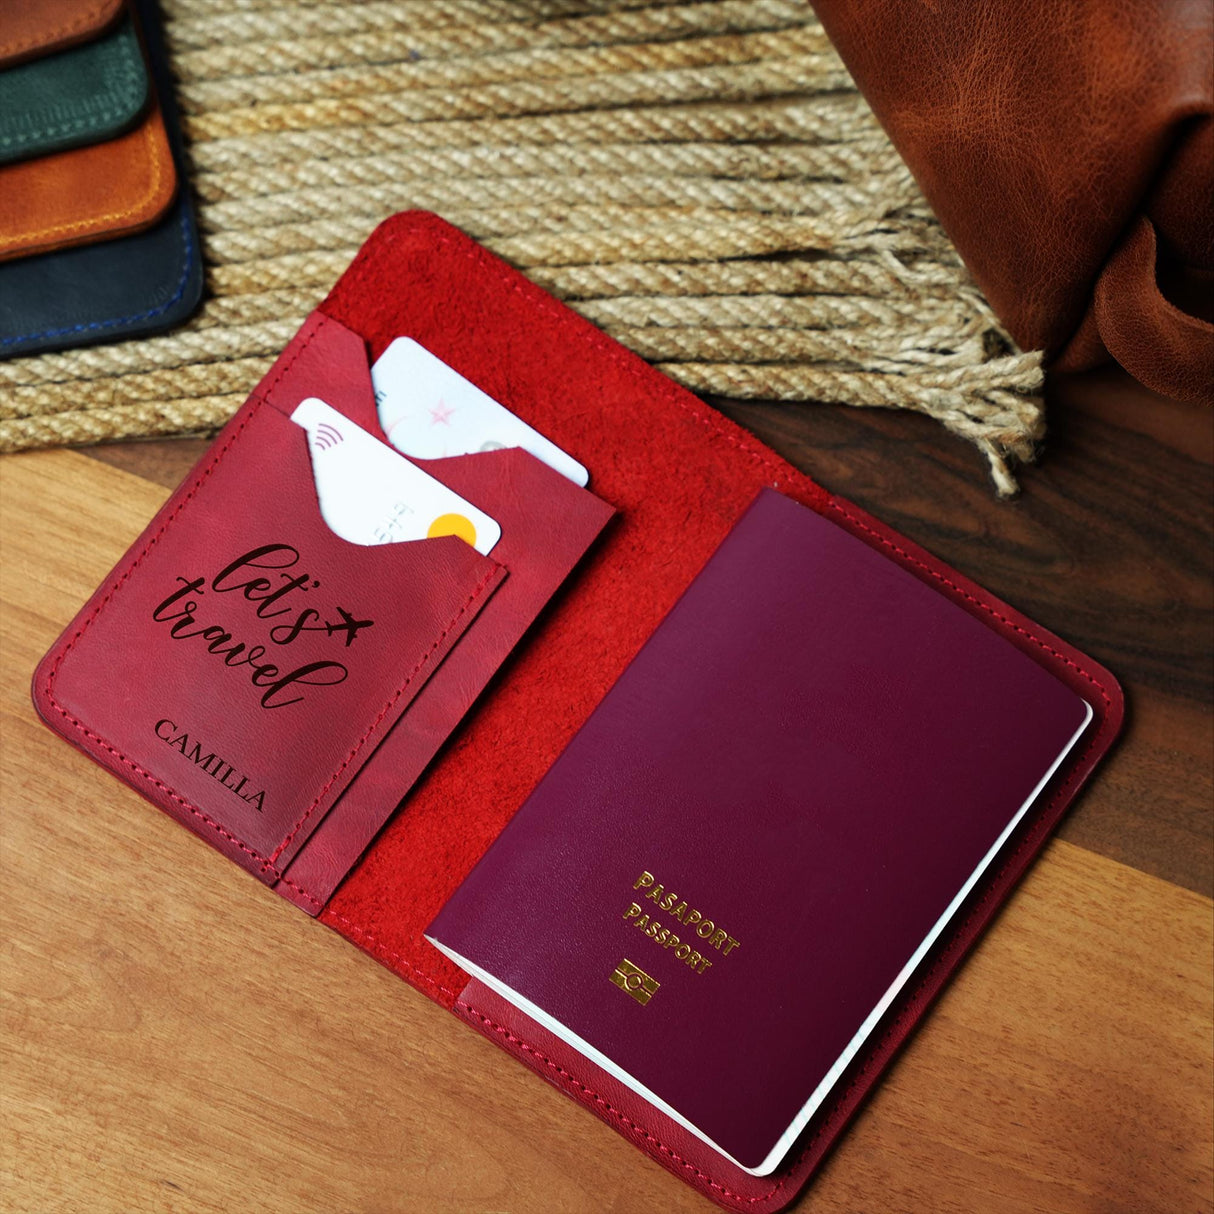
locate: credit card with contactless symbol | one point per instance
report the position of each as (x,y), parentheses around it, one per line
(369,494)
(429,411)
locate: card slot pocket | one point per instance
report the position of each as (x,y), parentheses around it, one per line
(547,524)
(242,662)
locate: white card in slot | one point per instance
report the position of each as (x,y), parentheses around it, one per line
(429,411)
(368,494)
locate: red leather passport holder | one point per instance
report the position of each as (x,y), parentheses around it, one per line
(466,713)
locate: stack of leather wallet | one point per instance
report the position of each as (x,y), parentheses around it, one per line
(97,235)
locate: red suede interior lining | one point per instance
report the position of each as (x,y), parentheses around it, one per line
(679,474)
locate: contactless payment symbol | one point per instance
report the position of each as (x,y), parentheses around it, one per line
(369,493)
(634,981)
(326,436)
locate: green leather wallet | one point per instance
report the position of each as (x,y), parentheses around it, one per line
(81,95)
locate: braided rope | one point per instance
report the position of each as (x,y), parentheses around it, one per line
(584,196)
(541,67)
(682,167)
(265,20)
(744,82)
(337,47)
(831,118)
(697,177)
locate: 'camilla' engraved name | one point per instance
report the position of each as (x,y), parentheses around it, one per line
(216,766)
(691,920)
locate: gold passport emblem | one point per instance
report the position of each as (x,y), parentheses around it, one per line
(632,979)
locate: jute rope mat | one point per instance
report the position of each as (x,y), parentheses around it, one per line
(702,180)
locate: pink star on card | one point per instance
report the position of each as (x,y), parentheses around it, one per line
(441,414)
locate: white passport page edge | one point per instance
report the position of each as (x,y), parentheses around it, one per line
(820,1093)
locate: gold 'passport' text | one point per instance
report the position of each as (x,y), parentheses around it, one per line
(698,932)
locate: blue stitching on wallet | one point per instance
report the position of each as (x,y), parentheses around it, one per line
(188,243)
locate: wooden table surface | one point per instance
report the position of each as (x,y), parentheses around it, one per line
(178,1038)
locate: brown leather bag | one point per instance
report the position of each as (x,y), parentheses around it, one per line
(1067,147)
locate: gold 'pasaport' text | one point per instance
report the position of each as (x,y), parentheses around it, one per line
(695,934)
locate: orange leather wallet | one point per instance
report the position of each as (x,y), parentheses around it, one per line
(37,27)
(75,197)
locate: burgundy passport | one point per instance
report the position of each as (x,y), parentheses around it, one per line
(741,857)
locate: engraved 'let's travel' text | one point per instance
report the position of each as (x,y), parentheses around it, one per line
(265,578)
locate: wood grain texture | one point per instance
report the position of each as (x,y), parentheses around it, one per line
(177,1038)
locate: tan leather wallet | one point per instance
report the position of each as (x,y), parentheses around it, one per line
(31,28)
(86,194)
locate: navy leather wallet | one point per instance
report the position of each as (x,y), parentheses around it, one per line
(132,286)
